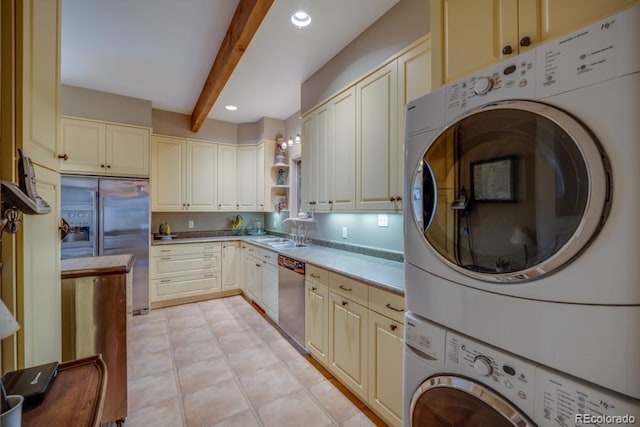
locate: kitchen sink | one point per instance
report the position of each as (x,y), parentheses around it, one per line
(278,242)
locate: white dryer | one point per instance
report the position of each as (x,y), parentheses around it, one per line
(522,228)
(453,380)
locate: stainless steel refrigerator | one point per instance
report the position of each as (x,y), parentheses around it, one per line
(109,216)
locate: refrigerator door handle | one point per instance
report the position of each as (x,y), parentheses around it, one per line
(98,200)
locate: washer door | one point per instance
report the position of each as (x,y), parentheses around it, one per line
(451,401)
(511,191)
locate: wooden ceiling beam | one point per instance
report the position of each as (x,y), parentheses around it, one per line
(246,20)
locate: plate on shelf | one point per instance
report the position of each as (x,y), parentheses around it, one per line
(257,233)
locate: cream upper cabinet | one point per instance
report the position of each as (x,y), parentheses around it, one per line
(230,266)
(320,159)
(341,173)
(469,36)
(377,140)
(247,178)
(261,182)
(227,155)
(386,345)
(37,87)
(348,347)
(95,147)
(308,162)
(183,174)
(168,183)
(201,189)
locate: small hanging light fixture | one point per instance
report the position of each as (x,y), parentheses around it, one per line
(298,139)
(290,141)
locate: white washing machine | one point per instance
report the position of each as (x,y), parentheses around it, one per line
(453,380)
(523,180)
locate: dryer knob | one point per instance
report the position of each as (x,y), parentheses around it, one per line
(482,365)
(482,85)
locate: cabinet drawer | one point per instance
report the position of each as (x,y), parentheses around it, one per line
(189,264)
(349,288)
(186,249)
(317,274)
(185,286)
(268,256)
(250,250)
(387,303)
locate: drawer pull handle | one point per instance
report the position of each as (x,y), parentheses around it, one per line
(208,275)
(257,265)
(267,256)
(165,280)
(390,307)
(64,157)
(314,276)
(393,327)
(165,258)
(345,289)
(344,303)
(165,250)
(313,288)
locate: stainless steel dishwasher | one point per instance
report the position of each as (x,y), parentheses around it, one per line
(291,297)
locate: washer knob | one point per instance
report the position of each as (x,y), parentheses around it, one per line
(482,365)
(482,85)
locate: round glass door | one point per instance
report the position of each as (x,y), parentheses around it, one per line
(511,191)
(445,401)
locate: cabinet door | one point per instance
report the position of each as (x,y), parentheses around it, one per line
(168,186)
(201,176)
(38,79)
(83,142)
(377,139)
(269,285)
(247,178)
(468,36)
(321,167)
(227,178)
(385,367)
(39,276)
(316,326)
(341,175)
(261,177)
(127,150)
(253,278)
(348,343)
(308,162)
(230,266)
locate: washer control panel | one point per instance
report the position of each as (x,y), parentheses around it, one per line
(566,401)
(510,376)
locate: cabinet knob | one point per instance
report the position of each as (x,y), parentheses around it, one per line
(392,199)
(219,205)
(393,327)
(63,157)
(398,199)
(108,166)
(507,50)
(344,303)
(102,166)
(525,41)
(313,288)
(330,202)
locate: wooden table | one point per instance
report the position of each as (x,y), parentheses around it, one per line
(75,398)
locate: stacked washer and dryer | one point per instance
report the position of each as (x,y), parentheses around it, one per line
(522,239)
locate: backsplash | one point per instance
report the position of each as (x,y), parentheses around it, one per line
(203,221)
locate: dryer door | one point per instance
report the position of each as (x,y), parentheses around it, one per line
(446,400)
(511,191)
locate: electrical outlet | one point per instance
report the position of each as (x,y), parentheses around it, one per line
(383,220)
(344,232)
(275,223)
(192,223)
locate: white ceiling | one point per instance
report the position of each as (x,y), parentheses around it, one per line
(162,50)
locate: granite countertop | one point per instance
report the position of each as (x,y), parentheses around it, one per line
(379,272)
(96,266)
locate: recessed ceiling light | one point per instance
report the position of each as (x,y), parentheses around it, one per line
(231,107)
(300,19)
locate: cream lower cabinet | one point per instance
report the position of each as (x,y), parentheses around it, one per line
(260,278)
(348,347)
(230,266)
(184,271)
(316,313)
(94,147)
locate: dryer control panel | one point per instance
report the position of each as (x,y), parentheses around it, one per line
(510,376)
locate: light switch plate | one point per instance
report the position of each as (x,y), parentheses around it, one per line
(344,232)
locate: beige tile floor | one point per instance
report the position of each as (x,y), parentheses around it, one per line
(221,363)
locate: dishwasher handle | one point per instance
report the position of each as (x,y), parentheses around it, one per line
(291,264)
